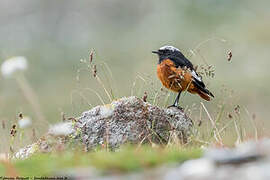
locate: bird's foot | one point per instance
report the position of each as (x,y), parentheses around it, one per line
(174,106)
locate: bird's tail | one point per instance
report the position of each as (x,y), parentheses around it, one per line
(202,91)
(205,96)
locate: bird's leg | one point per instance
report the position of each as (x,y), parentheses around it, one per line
(175,104)
(177,100)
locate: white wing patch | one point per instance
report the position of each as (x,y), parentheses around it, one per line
(169,48)
(195,75)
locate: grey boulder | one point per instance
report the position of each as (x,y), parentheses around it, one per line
(131,120)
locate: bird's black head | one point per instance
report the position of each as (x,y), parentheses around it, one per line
(166,52)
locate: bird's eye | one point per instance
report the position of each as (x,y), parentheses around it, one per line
(166,51)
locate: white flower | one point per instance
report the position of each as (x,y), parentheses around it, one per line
(24,122)
(61,129)
(12,65)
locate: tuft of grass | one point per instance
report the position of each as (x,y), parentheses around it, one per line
(127,159)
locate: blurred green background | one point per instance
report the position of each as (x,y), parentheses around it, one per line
(55,35)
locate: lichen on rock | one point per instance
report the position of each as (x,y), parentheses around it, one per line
(130,120)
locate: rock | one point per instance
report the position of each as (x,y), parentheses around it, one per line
(130,120)
(26,152)
(127,120)
(193,169)
(243,153)
(248,161)
(45,144)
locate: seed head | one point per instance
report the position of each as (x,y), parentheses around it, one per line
(12,65)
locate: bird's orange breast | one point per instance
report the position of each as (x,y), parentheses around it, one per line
(175,79)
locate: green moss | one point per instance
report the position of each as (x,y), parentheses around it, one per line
(127,159)
(2,169)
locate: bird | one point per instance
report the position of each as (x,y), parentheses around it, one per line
(178,74)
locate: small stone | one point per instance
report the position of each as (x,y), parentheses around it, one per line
(193,169)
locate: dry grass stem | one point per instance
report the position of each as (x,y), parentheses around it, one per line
(216,132)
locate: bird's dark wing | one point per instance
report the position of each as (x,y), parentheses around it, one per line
(197,79)
(181,62)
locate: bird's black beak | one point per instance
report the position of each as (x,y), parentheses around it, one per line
(155,52)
